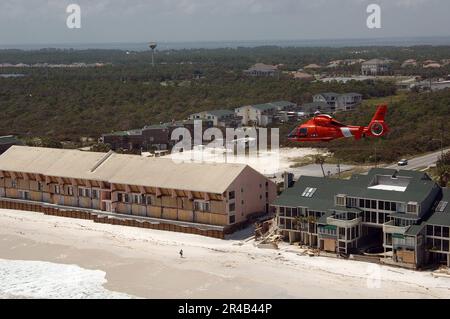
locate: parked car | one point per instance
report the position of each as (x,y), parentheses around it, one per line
(403,162)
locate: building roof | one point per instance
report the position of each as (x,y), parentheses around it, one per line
(272,105)
(312,66)
(121,169)
(315,106)
(157,126)
(352,94)
(419,186)
(442,218)
(415,230)
(125,133)
(302,75)
(9,139)
(218,113)
(376,61)
(263,67)
(328,95)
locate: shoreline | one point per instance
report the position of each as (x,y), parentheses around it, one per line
(144,263)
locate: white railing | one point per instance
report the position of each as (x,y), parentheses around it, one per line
(390,228)
(344,223)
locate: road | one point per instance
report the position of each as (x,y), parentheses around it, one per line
(419,162)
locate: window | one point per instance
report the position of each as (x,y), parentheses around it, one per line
(148,200)
(24,195)
(201,206)
(361,203)
(429,230)
(70,190)
(232,219)
(294,212)
(57,189)
(437,231)
(380,205)
(393,207)
(95,194)
(373,204)
(366,218)
(340,200)
(309,192)
(445,245)
(411,208)
(387,206)
(351,202)
(14,183)
(231,195)
(136,198)
(84,192)
(232,207)
(288,212)
(441,206)
(267,195)
(282,211)
(122,197)
(40,186)
(445,232)
(288,224)
(373,217)
(303,132)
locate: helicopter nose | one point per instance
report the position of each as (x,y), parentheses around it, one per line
(293,134)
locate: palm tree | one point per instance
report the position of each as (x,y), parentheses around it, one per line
(320,159)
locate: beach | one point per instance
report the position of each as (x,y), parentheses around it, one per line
(109,261)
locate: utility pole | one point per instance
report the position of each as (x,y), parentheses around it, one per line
(376,158)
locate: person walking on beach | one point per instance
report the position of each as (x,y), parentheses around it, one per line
(181,253)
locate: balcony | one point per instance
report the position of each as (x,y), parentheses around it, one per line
(343,223)
(390,228)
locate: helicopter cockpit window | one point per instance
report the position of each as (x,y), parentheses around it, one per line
(303,132)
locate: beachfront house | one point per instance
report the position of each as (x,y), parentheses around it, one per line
(402,215)
(158,190)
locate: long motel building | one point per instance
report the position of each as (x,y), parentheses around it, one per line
(401,216)
(157,188)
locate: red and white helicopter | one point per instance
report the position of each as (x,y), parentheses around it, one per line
(324,128)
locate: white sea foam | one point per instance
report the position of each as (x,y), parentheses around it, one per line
(36,279)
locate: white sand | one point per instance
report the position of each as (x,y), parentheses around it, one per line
(267,162)
(145,263)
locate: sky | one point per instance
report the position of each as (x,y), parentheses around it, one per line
(109,21)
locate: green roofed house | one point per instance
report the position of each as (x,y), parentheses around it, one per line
(388,212)
(263,114)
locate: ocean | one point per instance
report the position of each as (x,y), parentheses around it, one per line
(44,280)
(394,41)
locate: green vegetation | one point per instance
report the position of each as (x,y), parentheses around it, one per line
(442,170)
(417,123)
(65,107)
